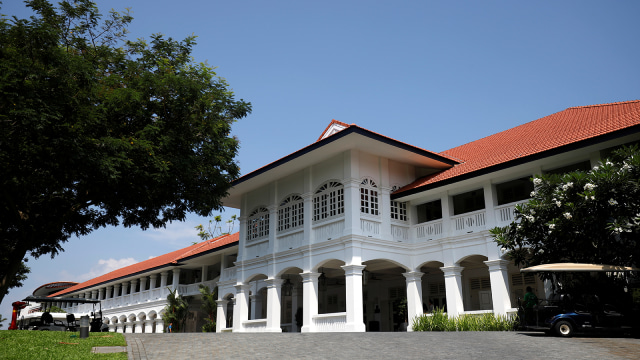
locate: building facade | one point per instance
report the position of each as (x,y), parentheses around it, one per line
(360,232)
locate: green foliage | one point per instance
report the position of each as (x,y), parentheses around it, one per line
(438,320)
(176,311)
(584,217)
(55,309)
(2,319)
(209,306)
(214,229)
(98,130)
(18,345)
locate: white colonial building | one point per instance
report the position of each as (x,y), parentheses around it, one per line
(361,232)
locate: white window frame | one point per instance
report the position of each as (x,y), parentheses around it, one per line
(328,201)
(369,197)
(258,224)
(291,213)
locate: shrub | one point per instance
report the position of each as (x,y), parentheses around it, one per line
(438,320)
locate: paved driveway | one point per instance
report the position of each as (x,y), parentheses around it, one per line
(425,345)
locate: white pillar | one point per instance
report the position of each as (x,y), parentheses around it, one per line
(148,326)
(221,315)
(109,293)
(414,296)
(274,306)
(241,310)
(101,294)
(163,279)
(112,327)
(255,305)
(116,290)
(499,285)
(152,281)
(159,325)
(125,288)
(134,285)
(453,285)
(143,284)
(129,327)
(353,285)
(176,279)
(139,326)
(120,327)
(203,274)
(294,308)
(309,300)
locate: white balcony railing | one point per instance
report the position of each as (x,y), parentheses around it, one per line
(505,214)
(228,274)
(334,322)
(429,230)
(370,228)
(469,222)
(259,325)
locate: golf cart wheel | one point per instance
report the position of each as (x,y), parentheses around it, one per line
(564,329)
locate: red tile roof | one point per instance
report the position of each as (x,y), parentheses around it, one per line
(566,127)
(172,258)
(334,121)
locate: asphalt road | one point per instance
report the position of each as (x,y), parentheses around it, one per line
(423,345)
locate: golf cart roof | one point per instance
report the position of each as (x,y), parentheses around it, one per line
(576,267)
(43,299)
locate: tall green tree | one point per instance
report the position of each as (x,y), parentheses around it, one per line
(584,216)
(176,311)
(96,130)
(209,306)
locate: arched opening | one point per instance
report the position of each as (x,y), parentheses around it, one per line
(434,294)
(384,296)
(257,297)
(476,284)
(291,300)
(331,288)
(229,313)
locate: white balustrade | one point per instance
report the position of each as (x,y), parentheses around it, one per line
(291,240)
(229,273)
(429,230)
(258,325)
(370,228)
(334,322)
(399,232)
(330,230)
(505,214)
(469,222)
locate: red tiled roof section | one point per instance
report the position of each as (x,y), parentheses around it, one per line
(166,259)
(563,128)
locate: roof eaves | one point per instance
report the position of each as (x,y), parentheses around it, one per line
(519,161)
(352,129)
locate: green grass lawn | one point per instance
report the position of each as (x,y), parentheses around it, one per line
(24,344)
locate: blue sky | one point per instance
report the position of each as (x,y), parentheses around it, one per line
(435,74)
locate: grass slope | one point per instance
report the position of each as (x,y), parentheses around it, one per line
(24,344)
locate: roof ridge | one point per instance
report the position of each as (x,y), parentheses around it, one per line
(602,105)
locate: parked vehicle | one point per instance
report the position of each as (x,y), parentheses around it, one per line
(568,313)
(48,321)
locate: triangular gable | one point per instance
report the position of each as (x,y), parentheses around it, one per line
(335,126)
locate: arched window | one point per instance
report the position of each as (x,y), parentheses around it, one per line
(368,197)
(328,201)
(291,213)
(398,209)
(258,224)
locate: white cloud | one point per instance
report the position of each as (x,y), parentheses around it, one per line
(102,267)
(180,234)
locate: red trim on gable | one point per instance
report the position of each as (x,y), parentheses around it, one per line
(550,132)
(172,258)
(334,121)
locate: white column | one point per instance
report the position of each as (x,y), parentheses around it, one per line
(309,300)
(273,224)
(139,326)
(351,207)
(490,202)
(159,325)
(129,327)
(94,294)
(241,310)
(221,315)
(125,288)
(274,305)
(152,281)
(163,279)
(148,326)
(414,296)
(308,217)
(116,290)
(120,327)
(176,279)
(294,308)
(203,273)
(143,284)
(134,285)
(109,292)
(353,285)
(101,294)
(453,285)
(499,285)
(113,327)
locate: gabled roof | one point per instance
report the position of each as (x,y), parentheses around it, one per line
(171,259)
(562,131)
(330,144)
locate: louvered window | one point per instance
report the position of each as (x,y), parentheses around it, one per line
(258,224)
(328,201)
(291,213)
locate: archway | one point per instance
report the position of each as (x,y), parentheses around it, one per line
(476,284)
(384,296)
(434,295)
(291,300)
(331,288)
